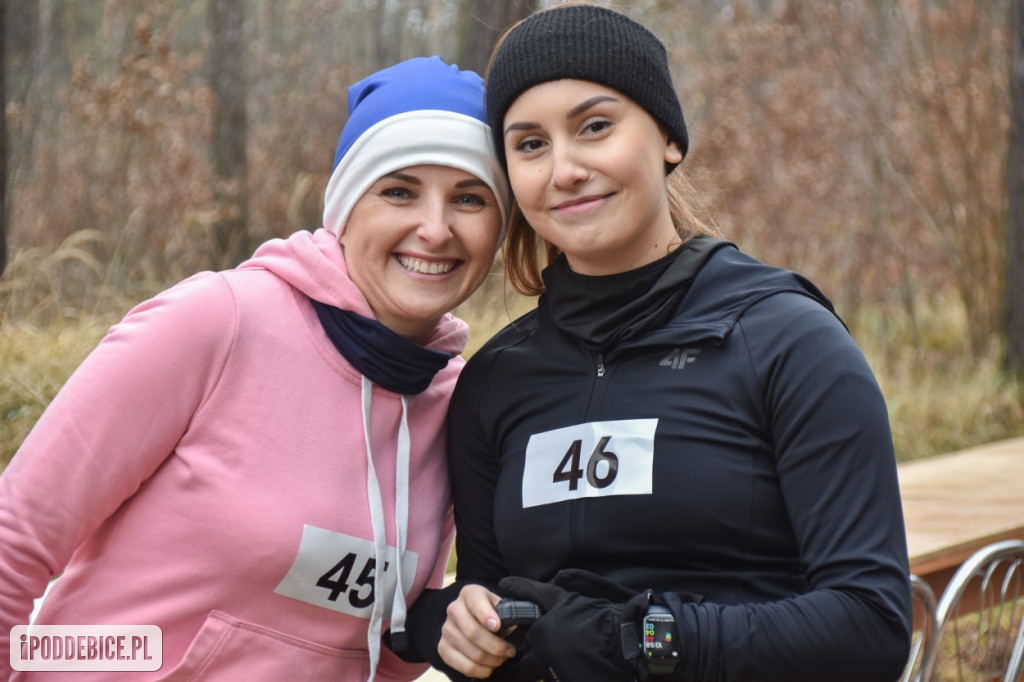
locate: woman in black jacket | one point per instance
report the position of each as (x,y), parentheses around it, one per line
(681,455)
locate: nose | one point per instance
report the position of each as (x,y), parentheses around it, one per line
(435,226)
(567,169)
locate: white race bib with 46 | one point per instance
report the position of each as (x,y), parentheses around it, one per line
(595,459)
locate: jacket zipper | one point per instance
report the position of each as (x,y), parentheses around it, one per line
(575,507)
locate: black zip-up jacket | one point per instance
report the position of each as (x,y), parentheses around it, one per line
(740,451)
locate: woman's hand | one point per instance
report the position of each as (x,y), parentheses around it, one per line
(469,642)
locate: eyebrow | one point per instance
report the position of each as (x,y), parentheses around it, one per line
(572,113)
(593,101)
(398,175)
(413,180)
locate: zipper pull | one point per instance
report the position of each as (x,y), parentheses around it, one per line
(600,364)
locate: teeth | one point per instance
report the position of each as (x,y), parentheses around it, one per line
(426,267)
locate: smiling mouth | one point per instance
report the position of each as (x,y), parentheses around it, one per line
(582,204)
(426,267)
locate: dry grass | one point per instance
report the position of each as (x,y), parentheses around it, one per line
(36,362)
(969,653)
(940,396)
(54,308)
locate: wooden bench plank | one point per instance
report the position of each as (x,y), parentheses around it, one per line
(956,503)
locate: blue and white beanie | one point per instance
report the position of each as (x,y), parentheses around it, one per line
(420,111)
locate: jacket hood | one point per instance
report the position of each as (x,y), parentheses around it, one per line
(726,287)
(716,284)
(314,263)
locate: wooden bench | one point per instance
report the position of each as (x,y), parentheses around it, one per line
(956,503)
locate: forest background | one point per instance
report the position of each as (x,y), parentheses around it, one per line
(862,143)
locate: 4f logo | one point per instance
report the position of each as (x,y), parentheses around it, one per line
(680,358)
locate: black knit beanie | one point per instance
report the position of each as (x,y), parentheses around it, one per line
(584,42)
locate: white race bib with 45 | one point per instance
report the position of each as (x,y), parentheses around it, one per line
(338,572)
(595,459)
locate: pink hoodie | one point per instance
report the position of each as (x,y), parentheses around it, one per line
(211,433)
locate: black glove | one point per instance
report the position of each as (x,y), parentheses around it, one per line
(423,622)
(418,643)
(578,639)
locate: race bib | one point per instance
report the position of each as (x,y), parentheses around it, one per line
(338,572)
(595,459)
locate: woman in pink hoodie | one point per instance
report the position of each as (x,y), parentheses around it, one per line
(253,460)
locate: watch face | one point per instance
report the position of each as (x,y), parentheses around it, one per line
(659,639)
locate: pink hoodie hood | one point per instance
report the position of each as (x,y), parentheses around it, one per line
(314,264)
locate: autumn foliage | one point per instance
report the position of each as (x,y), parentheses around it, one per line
(864,144)
(860,142)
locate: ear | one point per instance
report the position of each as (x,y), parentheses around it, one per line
(673,154)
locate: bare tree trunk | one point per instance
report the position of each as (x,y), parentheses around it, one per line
(40,157)
(113,29)
(385,32)
(264,22)
(230,131)
(486,21)
(1015,188)
(434,11)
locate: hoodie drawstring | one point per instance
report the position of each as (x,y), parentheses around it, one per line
(398,608)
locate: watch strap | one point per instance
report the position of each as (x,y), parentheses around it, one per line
(629,638)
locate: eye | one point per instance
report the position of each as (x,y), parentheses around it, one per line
(529,145)
(595,127)
(471,200)
(397,193)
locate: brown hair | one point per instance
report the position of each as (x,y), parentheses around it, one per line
(525,253)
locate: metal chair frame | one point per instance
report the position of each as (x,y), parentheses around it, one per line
(926,642)
(996,572)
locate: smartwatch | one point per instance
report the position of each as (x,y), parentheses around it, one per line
(661,642)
